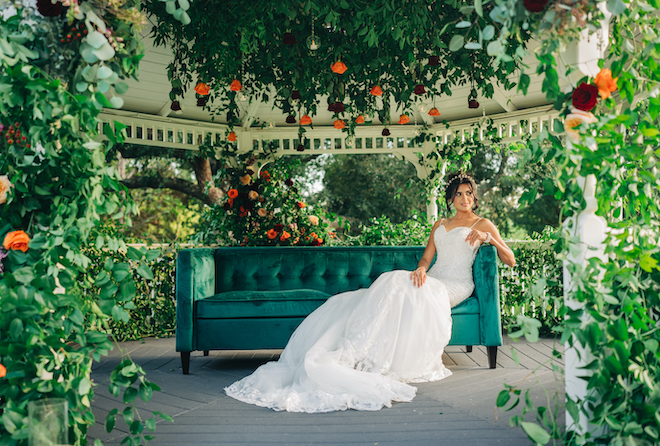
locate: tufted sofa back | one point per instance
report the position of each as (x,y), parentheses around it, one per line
(329,269)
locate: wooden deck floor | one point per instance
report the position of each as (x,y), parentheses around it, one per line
(459,410)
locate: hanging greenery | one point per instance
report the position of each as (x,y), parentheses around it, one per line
(367,53)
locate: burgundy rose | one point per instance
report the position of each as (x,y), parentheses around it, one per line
(331,107)
(385,132)
(473,103)
(300,148)
(201,102)
(227,205)
(175,106)
(535,5)
(289,39)
(295,94)
(278,227)
(434,61)
(249,205)
(316,242)
(290,119)
(339,107)
(48,9)
(585,97)
(419,89)
(289,182)
(250,161)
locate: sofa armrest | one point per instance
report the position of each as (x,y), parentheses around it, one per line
(487,290)
(195,279)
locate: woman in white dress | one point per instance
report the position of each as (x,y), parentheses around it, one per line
(360,349)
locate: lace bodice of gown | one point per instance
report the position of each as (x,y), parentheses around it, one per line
(453,264)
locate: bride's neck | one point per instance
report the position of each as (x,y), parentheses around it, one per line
(461,216)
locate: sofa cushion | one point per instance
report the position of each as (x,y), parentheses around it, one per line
(468,306)
(247,304)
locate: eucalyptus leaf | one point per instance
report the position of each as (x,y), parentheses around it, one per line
(463,24)
(105,52)
(121,87)
(472,46)
(616,7)
(170,6)
(95,39)
(116,102)
(489,32)
(456,42)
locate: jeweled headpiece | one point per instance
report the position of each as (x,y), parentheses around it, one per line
(460,176)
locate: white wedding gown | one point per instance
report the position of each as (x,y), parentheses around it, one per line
(360,348)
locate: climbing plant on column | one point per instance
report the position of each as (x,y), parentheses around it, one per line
(60,64)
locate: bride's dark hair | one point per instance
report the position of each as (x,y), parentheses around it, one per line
(454,180)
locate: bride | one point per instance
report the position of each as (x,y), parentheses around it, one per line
(360,349)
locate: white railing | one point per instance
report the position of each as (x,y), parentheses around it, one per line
(153,130)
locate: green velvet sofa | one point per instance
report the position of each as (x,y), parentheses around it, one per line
(255,297)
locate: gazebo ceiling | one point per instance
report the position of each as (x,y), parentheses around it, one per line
(150,96)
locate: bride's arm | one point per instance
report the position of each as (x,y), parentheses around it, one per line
(419,275)
(487,227)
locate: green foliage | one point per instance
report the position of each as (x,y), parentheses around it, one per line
(60,187)
(382,231)
(534,288)
(358,187)
(381,43)
(154,304)
(267,210)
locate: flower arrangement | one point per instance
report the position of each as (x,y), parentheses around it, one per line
(264,209)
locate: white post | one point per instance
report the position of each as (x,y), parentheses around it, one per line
(432,207)
(587,226)
(591,230)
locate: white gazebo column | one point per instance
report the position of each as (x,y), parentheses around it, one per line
(589,228)
(591,231)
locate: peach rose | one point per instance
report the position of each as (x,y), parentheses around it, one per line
(253,195)
(245,180)
(5,185)
(262,212)
(574,120)
(606,85)
(17,240)
(285,236)
(313,220)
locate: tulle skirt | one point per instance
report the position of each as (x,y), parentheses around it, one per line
(359,350)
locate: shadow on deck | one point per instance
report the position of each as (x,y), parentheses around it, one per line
(459,410)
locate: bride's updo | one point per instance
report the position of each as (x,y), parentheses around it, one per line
(455,179)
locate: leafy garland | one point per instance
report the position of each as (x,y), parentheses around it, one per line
(60,63)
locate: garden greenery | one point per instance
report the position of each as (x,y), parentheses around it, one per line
(61,64)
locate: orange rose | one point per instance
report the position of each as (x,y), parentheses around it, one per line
(233,193)
(231,136)
(305,120)
(17,240)
(434,112)
(606,85)
(339,124)
(236,85)
(359,120)
(574,120)
(285,236)
(313,235)
(338,67)
(376,91)
(3,371)
(404,119)
(202,89)
(5,185)
(301,204)
(272,233)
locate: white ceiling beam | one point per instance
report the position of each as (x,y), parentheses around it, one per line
(165,110)
(502,99)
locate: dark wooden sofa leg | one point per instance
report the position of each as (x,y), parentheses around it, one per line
(492,357)
(185,362)
(206,352)
(468,348)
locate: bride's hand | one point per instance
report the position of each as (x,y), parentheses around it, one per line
(476,236)
(418,277)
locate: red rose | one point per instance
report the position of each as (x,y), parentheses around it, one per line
(535,5)
(331,107)
(295,94)
(434,61)
(339,107)
(585,97)
(289,39)
(289,182)
(175,106)
(278,227)
(300,148)
(201,102)
(290,119)
(385,132)
(419,89)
